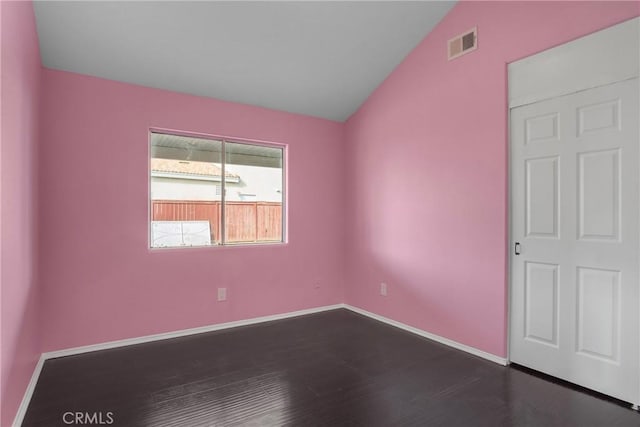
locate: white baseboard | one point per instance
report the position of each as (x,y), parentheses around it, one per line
(22,410)
(186,332)
(28,393)
(252,321)
(472,350)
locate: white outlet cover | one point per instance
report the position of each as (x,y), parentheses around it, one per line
(222,294)
(383,289)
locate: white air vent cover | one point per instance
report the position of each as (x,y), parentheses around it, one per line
(463,43)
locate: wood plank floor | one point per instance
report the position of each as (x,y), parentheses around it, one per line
(334,368)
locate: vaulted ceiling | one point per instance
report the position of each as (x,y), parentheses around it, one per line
(317,58)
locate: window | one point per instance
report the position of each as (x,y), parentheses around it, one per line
(209,192)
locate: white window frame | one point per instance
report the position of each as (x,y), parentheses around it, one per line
(223,140)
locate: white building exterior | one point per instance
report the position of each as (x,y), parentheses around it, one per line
(243,184)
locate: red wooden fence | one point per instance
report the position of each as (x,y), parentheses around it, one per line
(244,221)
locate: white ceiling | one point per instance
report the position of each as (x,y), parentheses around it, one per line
(317,58)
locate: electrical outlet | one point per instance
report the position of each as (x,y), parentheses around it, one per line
(222,294)
(383,289)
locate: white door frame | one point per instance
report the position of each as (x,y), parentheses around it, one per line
(582,64)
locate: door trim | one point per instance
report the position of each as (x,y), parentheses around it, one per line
(581,64)
(532,79)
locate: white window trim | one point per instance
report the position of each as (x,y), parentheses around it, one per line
(223,140)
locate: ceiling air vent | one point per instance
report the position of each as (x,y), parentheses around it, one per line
(463,43)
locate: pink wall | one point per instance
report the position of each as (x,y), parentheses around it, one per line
(100,281)
(427,171)
(425,198)
(20,94)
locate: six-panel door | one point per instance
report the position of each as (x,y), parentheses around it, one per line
(575,212)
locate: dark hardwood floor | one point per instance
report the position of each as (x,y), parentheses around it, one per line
(334,368)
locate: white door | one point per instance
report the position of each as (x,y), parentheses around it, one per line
(575,216)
